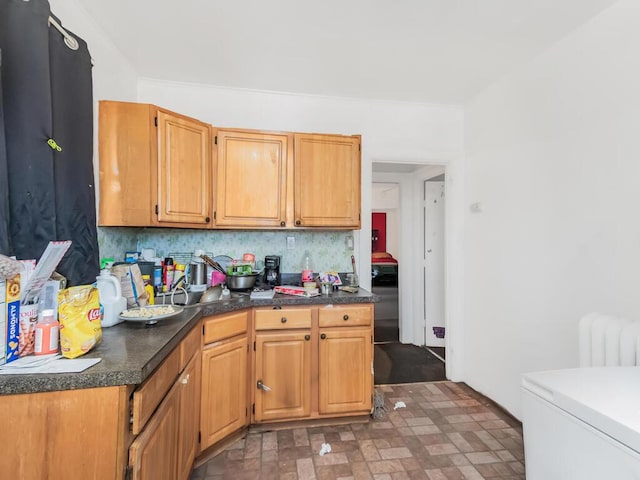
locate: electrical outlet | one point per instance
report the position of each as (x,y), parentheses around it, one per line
(291,243)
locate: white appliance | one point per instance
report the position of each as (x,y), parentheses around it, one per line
(582,424)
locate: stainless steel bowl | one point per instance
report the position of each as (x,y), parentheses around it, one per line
(241,282)
(211,294)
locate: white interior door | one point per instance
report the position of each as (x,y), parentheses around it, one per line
(434,263)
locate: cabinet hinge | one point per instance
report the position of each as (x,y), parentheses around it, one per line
(215,140)
(200,434)
(203,329)
(254,346)
(156,209)
(128,474)
(253,408)
(155,120)
(359,147)
(246,412)
(215,213)
(247,347)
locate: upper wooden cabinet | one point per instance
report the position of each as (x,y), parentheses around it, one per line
(287,180)
(155,167)
(326,180)
(251,179)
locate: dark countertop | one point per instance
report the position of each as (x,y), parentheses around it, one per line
(130,352)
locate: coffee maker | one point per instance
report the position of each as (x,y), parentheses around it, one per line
(272,270)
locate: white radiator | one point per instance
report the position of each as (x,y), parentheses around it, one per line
(608,341)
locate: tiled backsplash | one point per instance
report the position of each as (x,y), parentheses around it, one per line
(328,250)
(114,241)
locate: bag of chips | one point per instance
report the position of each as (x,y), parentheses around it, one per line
(80,320)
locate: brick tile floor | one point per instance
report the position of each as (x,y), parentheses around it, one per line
(447,431)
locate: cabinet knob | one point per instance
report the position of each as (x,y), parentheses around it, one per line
(283,320)
(298,222)
(282,224)
(207,220)
(277,307)
(307,337)
(345,318)
(323,336)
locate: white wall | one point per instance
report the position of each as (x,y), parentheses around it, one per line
(552,154)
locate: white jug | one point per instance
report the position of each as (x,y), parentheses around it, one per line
(111,299)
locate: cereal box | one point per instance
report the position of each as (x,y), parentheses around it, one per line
(12,318)
(3,321)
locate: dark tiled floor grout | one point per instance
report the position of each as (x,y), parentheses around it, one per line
(446,431)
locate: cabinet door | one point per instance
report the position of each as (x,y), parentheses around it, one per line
(251,179)
(224,390)
(346,382)
(153,454)
(189,423)
(283,366)
(127,143)
(326,181)
(184,158)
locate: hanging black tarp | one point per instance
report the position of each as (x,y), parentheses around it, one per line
(5,237)
(72,108)
(47,100)
(24,40)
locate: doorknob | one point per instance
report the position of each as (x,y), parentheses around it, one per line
(429,251)
(262,386)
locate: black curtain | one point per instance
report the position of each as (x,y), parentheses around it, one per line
(5,237)
(46,93)
(72,109)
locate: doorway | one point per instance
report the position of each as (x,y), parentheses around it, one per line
(407,358)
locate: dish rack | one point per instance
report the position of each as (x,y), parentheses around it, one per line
(185,258)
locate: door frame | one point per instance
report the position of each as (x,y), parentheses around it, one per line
(410,283)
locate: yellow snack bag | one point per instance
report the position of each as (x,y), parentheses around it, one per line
(80,320)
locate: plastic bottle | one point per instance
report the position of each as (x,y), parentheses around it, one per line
(157,275)
(169,271)
(307,271)
(47,334)
(111,299)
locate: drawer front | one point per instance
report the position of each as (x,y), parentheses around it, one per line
(283,318)
(189,346)
(345,316)
(225,326)
(149,395)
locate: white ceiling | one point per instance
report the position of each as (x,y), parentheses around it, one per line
(436,51)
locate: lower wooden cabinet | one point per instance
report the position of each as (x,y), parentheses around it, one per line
(322,370)
(283,375)
(345,370)
(189,421)
(168,444)
(224,389)
(153,454)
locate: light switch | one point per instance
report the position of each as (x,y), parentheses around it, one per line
(349,242)
(291,243)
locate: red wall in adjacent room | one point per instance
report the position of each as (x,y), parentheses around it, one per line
(379,222)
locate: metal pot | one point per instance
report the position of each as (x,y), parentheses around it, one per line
(241,282)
